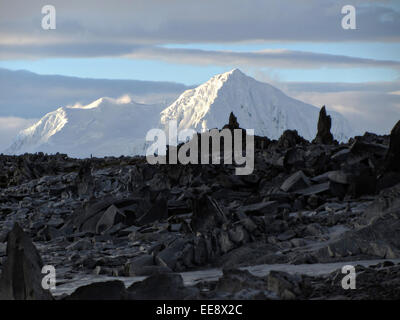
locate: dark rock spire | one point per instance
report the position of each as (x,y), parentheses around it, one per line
(324,135)
(233,123)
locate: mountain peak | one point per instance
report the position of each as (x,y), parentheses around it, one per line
(232,74)
(256,105)
(236,71)
(110,126)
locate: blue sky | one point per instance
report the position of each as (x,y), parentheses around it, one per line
(187,41)
(125,68)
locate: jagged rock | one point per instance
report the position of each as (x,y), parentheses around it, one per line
(294,158)
(295,182)
(290,138)
(286,286)
(207,214)
(362,184)
(170,256)
(315,189)
(260,209)
(339,177)
(158,212)
(21,278)
(324,135)
(238,235)
(210,217)
(225,243)
(82,244)
(84,181)
(135,267)
(241,284)
(167,286)
(233,123)
(370,148)
(287,235)
(110,217)
(392,160)
(109,290)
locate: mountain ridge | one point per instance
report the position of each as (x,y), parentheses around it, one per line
(109,126)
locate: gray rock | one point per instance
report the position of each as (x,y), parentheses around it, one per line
(82,244)
(158,212)
(284,285)
(339,177)
(110,217)
(392,160)
(295,182)
(135,266)
(260,209)
(109,290)
(315,189)
(324,135)
(21,278)
(166,286)
(207,214)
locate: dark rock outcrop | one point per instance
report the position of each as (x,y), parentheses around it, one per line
(110,290)
(392,161)
(233,123)
(166,286)
(304,203)
(324,135)
(21,278)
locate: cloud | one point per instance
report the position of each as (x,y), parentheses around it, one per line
(10,127)
(369,106)
(374,111)
(29,95)
(382,86)
(277,58)
(273,58)
(155,22)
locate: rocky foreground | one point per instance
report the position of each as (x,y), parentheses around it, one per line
(305,203)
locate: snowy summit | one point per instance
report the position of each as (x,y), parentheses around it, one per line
(119,126)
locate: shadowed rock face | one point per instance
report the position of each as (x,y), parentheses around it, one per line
(110,290)
(393,155)
(305,203)
(324,135)
(21,277)
(233,123)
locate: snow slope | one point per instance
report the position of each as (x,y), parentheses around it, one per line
(105,127)
(119,126)
(256,105)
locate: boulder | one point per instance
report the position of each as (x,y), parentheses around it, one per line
(260,209)
(284,285)
(108,290)
(207,214)
(143,266)
(110,217)
(21,278)
(166,286)
(290,138)
(158,212)
(295,182)
(84,180)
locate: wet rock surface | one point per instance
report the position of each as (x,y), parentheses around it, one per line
(305,203)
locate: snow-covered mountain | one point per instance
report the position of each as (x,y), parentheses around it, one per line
(105,127)
(119,126)
(256,105)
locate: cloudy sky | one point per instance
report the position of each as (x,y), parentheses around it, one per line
(297,45)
